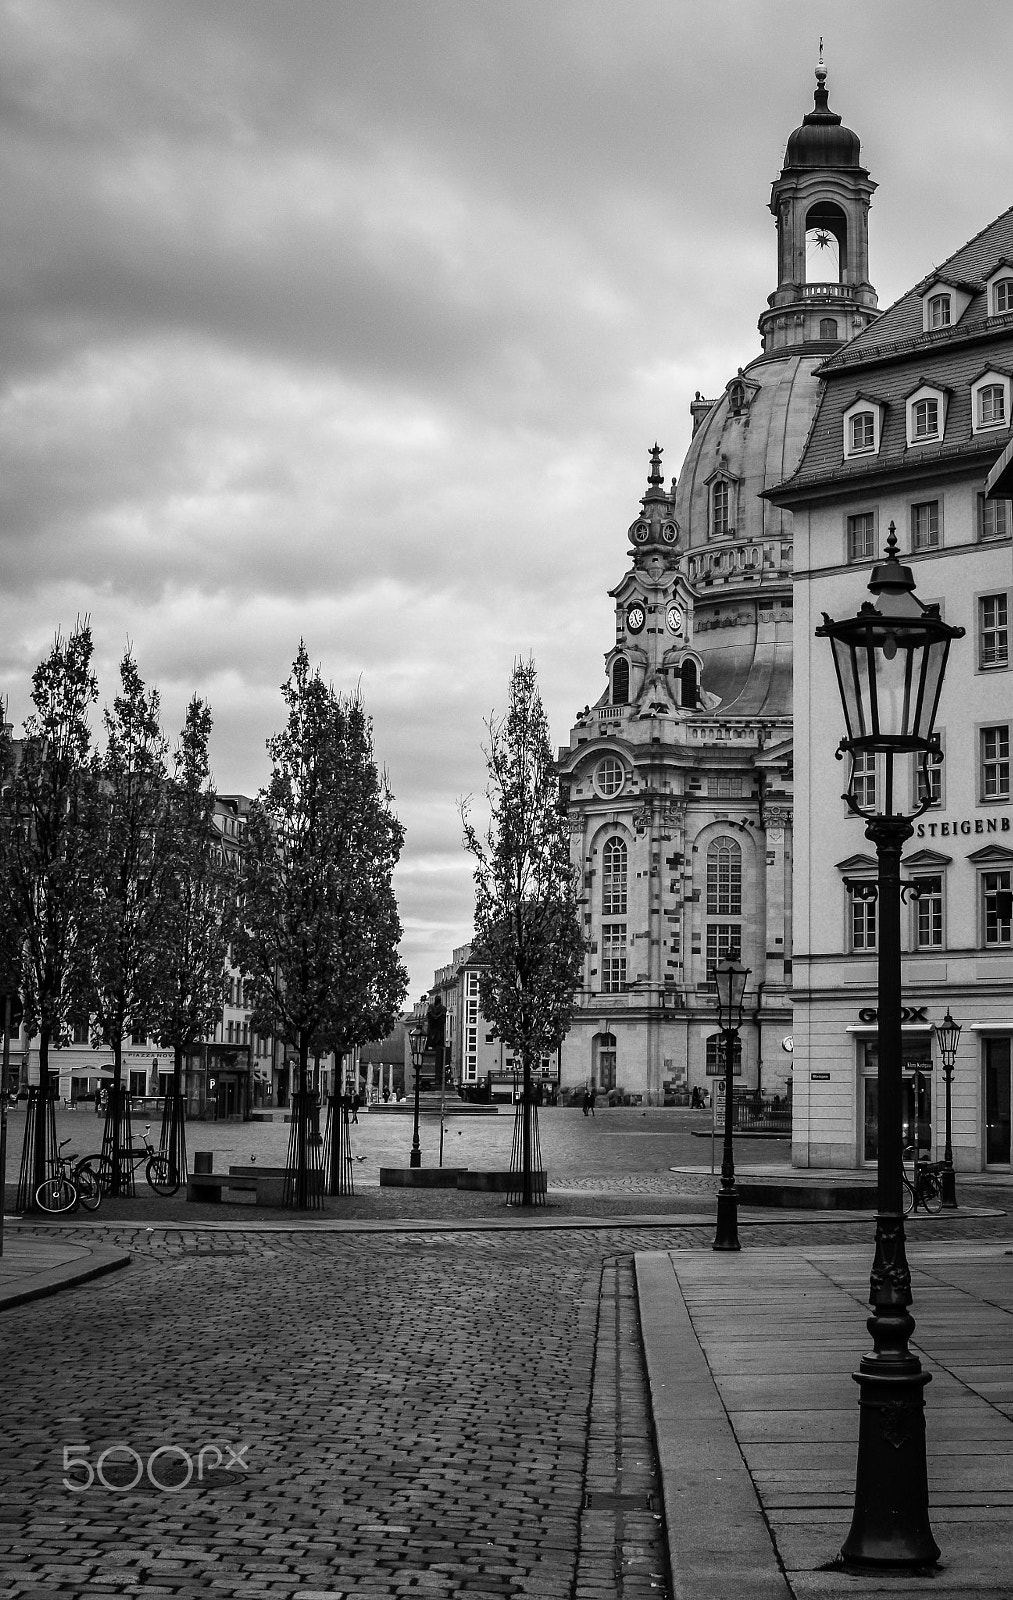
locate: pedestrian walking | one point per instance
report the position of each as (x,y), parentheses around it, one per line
(356,1102)
(591,1099)
(587,1102)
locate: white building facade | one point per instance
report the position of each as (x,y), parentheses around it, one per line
(913,415)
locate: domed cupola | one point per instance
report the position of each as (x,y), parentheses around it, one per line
(822,140)
(821,206)
(656,528)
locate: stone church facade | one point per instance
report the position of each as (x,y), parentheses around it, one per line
(679,776)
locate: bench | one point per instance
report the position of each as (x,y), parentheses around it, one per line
(265,1186)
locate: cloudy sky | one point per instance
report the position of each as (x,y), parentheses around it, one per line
(354,321)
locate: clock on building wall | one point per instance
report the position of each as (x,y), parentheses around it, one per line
(636,616)
(675,617)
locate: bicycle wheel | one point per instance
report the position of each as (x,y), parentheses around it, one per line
(56,1194)
(932,1193)
(909,1196)
(89,1190)
(159,1175)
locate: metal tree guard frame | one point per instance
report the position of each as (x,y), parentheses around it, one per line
(172,1139)
(304,1178)
(41,1103)
(527,1179)
(117,1177)
(338,1161)
(890,664)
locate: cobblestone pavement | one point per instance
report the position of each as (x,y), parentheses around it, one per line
(413,1414)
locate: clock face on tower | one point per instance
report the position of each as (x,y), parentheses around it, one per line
(675,618)
(636,616)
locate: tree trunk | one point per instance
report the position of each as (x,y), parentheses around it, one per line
(41,1114)
(337,1130)
(302,1130)
(116,1119)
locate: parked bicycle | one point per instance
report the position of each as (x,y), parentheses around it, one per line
(68,1186)
(923,1184)
(157,1169)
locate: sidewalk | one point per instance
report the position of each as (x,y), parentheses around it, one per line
(749,1360)
(34,1265)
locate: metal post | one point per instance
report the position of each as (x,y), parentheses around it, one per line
(949,1185)
(415,1159)
(890,1526)
(727,1234)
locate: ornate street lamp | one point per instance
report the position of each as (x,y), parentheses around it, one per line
(947,1035)
(890,664)
(417,1033)
(730,980)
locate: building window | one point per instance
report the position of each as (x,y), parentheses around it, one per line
(78,1032)
(995,763)
(928,786)
(993,631)
(991,406)
(620,681)
(863,922)
(137,1036)
(722,939)
(138,1082)
(725,788)
(929,914)
(609,777)
(724,878)
(925,525)
(828,330)
(993,518)
(925,419)
(613,958)
(939,311)
(1002,296)
(720,503)
(688,680)
(998,920)
(715,1056)
(862,429)
(613,879)
(863,779)
(862,536)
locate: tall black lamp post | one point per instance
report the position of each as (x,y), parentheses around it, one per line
(417,1039)
(947,1035)
(890,664)
(730,978)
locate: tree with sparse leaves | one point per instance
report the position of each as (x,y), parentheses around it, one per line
(46,861)
(319,946)
(127,833)
(198,914)
(527,923)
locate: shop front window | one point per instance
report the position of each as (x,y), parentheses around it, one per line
(998,1150)
(916,1098)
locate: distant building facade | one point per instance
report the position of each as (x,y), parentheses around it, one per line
(679,777)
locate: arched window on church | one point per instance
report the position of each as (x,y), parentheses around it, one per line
(828,330)
(826,242)
(720,507)
(620,681)
(690,692)
(613,878)
(724,877)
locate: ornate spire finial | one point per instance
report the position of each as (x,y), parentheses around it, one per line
(655,479)
(821,70)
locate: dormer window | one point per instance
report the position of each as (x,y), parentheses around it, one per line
(926,415)
(990,401)
(1000,291)
(938,311)
(943,304)
(862,423)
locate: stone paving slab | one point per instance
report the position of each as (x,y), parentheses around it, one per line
(793,1421)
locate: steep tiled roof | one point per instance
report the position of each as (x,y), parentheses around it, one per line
(969,267)
(893,357)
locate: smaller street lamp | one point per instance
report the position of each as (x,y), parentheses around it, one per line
(730,979)
(417,1039)
(947,1035)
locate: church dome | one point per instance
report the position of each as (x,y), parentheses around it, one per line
(822,140)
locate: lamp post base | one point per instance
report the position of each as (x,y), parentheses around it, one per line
(890,1527)
(727,1234)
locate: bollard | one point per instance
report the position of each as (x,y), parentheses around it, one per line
(203,1161)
